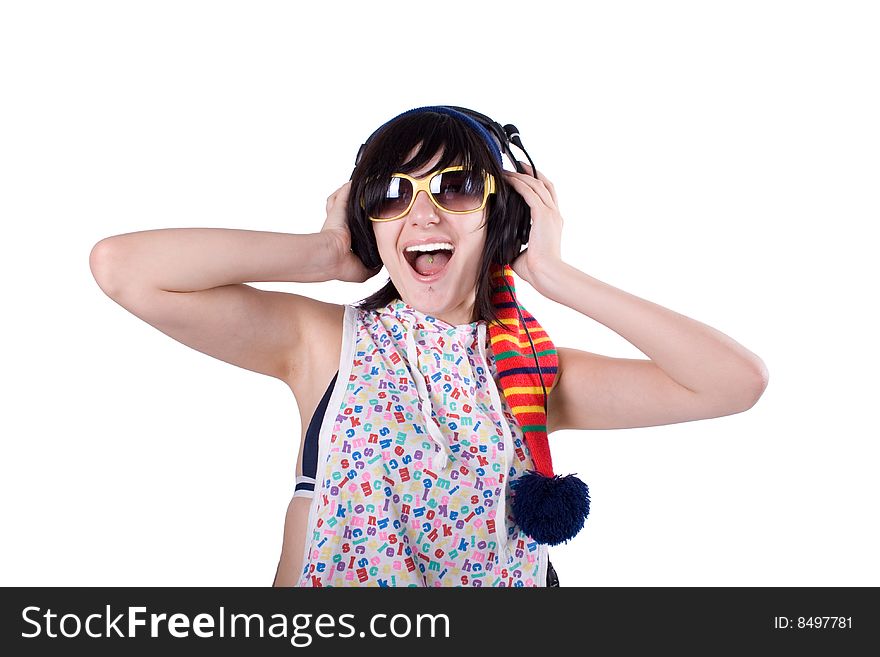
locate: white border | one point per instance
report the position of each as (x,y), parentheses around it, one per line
(346,360)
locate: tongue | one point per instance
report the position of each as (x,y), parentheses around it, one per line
(430,263)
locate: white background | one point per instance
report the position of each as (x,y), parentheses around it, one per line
(719,159)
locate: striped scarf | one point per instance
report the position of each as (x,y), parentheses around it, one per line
(517,370)
(549,508)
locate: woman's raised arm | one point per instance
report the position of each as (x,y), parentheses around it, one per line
(189,284)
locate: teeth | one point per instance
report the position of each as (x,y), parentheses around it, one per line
(435,246)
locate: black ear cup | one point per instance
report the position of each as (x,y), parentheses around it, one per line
(516,228)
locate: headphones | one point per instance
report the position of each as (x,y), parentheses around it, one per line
(499,139)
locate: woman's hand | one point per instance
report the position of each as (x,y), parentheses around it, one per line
(348,267)
(545,236)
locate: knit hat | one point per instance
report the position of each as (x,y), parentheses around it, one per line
(549,508)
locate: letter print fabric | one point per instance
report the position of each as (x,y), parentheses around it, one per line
(414,462)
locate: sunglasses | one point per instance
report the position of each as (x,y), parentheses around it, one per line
(453,189)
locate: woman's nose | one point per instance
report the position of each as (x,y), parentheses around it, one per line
(423,209)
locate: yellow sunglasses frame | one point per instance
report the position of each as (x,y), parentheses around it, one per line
(424,183)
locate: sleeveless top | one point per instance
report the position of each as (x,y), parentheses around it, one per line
(414,458)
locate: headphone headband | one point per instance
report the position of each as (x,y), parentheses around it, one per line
(482,124)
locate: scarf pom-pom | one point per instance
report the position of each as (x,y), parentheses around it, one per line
(550,509)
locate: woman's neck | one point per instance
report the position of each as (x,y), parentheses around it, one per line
(454,316)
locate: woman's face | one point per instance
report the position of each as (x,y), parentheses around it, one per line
(448,295)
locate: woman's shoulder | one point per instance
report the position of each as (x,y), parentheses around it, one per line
(317,359)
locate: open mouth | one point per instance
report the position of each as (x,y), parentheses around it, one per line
(430,264)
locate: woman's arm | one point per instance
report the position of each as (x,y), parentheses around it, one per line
(191,259)
(189,284)
(694,355)
(694,372)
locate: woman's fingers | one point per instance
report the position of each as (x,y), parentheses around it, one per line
(542,178)
(529,193)
(525,183)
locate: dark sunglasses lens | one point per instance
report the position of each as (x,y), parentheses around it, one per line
(396,199)
(459,191)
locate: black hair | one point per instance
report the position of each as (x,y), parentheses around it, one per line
(432,132)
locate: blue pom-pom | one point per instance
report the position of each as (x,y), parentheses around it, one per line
(550,509)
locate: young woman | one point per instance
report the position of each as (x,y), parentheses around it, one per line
(426,407)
